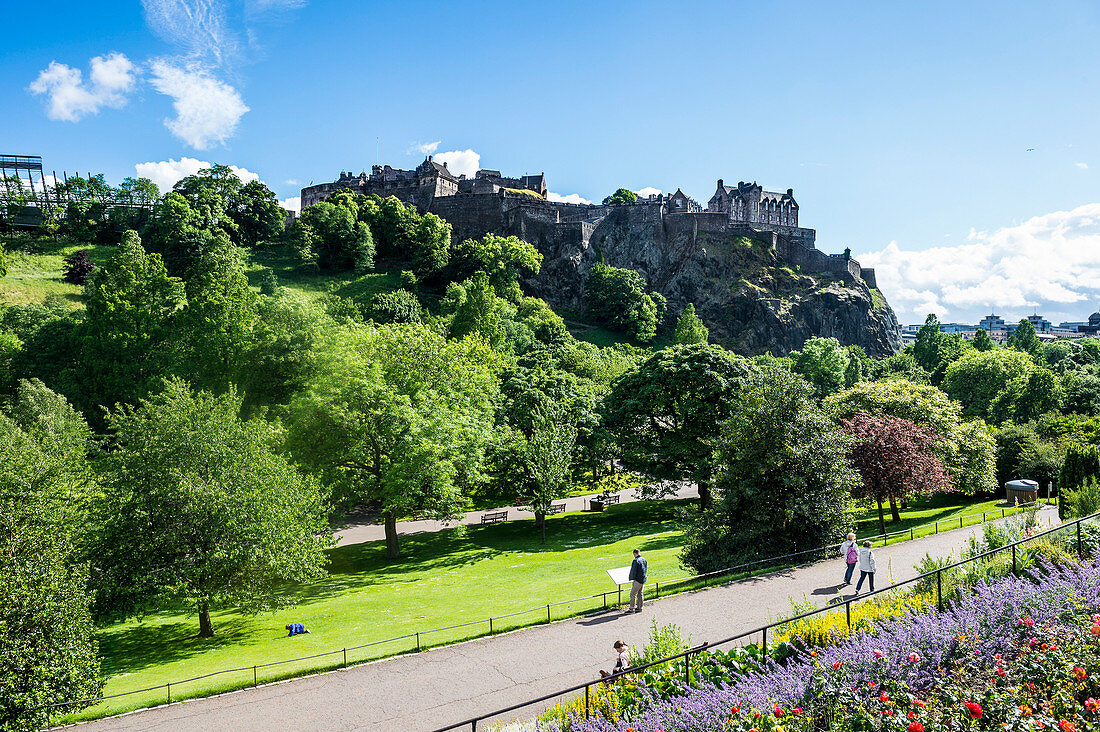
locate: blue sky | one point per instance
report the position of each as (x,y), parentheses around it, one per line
(903,129)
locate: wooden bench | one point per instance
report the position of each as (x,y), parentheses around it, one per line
(611,500)
(556,508)
(495,517)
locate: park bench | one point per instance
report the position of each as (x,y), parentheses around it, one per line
(611,500)
(556,508)
(599,503)
(494,517)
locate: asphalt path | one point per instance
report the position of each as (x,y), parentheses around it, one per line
(428,690)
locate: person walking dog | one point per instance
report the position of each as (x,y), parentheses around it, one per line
(850,551)
(866,567)
(638,572)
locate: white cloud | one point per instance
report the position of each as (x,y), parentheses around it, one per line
(197,27)
(207,110)
(460,162)
(167,173)
(112,77)
(294,203)
(570,198)
(647,192)
(291,181)
(424,148)
(1082,166)
(1049,263)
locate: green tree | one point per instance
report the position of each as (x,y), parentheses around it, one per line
(200,507)
(399,306)
(139,191)
(935,351)
(177,233)
(48,652)
(504,259)
(620,196)
(215,328)
(617,297)
(431,246)
(550,456)
(690,328)
(258,215)
(1025,340)
(982,341)
(965,447)
(824,363)
(396,418)
(1081,464)
(661,416)
(976,379)
(783,476)
(3,261)
(132,305)
(476,310)
(331,236)
(1028,397)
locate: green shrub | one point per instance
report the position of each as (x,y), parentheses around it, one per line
(1082,500)
(664,641)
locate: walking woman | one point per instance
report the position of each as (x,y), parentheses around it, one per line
(866,567)
(850,551)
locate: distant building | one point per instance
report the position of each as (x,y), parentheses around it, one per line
(1041,324)
(991,323)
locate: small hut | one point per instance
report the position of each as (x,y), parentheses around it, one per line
(1022,490)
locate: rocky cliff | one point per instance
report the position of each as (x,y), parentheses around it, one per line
(752,300)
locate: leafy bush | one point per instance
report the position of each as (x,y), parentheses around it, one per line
(618,298)
(825,629)
(1082,500)
(664,641)
(78,267)
(399,306)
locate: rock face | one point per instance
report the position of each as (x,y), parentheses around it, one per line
(744,284)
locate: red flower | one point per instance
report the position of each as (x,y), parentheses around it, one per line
(1092,704)
(797,710)
(1025,710)
(919,704)
(778,712)
(884,697)
(1027,621)
(1000,672)
(915,727)
(1066,726)
(887,712)
(911,715)
(735,709)
(754,729)
(836,665)
(1095,629)
(878,654)
(974,709)
(1079,673)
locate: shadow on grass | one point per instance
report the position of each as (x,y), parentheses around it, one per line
(133,647)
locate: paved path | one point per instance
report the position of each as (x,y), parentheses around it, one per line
(359,533)
(446,685)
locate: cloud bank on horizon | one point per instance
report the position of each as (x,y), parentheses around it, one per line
(206,45)
(1049,264)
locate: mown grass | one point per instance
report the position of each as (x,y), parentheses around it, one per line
(36,268)
(441,580)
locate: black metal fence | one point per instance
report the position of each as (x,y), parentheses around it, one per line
(762,631)
(421,640)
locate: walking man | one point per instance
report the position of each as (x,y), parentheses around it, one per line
(850,551)
(638,575)
(866,567)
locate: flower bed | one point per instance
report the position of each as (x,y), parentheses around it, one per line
(1012,655)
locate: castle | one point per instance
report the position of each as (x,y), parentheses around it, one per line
(491,203)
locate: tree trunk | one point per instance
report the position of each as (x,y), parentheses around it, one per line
(894,515)
(393,551)
(206,628)
(540,524)
(881,518)
(706,498)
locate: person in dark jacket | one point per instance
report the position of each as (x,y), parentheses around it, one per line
(638,571)
(296,629)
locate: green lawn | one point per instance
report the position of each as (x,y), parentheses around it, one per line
(443,579)
(923,511)
(34,275)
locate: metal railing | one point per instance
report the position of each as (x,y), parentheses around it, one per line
(493,626)
(762,631)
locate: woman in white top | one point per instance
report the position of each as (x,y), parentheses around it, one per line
(850,552)
(866,566)
(621,661)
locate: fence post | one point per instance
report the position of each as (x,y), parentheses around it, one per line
(605,601)
(586,701)
(939,590)
(848,613)
(1013,560)
(687,670)
(1002,513)
(657,587)
(548,613)
(937,528)
(765,640)
(1079,552)
(911,530)
(169,692)
(418,642)
(255,680)
(490,626)
(960,522)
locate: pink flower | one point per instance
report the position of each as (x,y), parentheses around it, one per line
(915,727)
(836,665)
(1000,672)
(884,697)
(1027,621)
(878,654)
(1092,704)
(778,712)
(914,658)
(1079,673)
